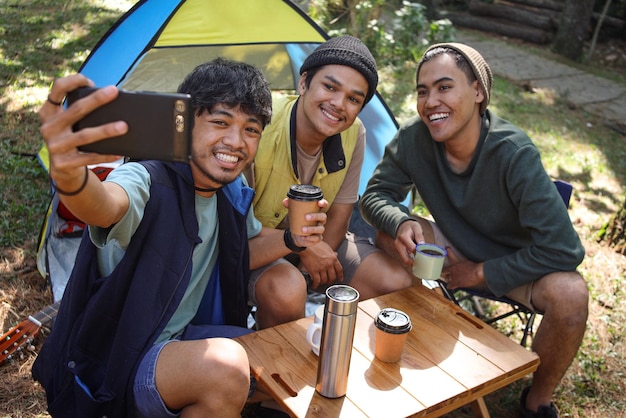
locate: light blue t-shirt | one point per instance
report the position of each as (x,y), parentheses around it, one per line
(112,242)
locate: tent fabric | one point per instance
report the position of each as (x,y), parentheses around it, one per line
(200,30)
(157,43)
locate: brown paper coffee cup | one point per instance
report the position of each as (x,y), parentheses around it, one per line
(392,328)
(303,199)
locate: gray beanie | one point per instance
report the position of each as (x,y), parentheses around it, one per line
(481,69)
(345,50)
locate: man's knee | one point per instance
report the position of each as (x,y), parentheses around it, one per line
(577,296)
(230,362)
(280,295)
(578,292)
(283,282)
(209,375)
(563,292)
(226,356)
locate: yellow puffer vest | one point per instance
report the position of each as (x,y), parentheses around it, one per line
(273,170)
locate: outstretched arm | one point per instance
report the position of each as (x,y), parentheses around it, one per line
(97,203)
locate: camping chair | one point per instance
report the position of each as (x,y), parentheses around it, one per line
(473,296)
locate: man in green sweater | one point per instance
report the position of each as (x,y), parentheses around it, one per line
(495,209)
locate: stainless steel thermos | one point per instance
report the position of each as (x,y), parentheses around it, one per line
(336,342)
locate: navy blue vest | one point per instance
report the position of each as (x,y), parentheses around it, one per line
(106,324)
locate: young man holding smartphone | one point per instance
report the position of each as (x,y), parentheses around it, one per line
(157,285)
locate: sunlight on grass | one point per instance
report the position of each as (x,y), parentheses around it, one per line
(70,33)
(28,97)
(120,5)
(541,96)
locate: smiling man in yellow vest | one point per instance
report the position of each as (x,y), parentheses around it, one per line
(316,138)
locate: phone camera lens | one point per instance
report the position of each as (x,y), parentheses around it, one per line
(180,123)
(179,105)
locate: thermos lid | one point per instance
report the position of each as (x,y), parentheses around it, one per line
(393,321)
(342,299)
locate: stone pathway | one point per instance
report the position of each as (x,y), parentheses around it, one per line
(596,95)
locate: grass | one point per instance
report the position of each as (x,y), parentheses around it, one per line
(35,49)
(44,39)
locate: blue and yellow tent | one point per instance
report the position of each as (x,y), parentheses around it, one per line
(156,43)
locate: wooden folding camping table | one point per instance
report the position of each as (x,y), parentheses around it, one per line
(450,359)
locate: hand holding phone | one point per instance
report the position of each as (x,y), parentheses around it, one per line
(159,124)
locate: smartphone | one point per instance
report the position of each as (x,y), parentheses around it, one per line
(159,125)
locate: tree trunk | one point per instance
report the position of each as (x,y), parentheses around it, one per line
(614,233)
(574,29)
(543,4)
(534,18)
(503,27)
(594,39)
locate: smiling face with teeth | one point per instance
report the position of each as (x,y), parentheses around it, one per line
(448,102)
(224,143)
(329,103)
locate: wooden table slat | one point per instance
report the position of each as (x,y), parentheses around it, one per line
(450,359)
(477,335)
(434,353)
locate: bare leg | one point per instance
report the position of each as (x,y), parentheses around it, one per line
(563,297)
(281,296)
(209,377)
(385,243)
(379,274)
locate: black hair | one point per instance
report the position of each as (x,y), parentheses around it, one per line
(309,76)
(459,59)
(230,83)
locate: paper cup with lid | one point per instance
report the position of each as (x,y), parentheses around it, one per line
(392,328)
(303,199)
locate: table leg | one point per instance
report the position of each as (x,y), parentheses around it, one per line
(479,407)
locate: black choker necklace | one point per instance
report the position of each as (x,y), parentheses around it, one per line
(207,190)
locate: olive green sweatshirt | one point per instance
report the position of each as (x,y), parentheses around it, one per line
(504,210)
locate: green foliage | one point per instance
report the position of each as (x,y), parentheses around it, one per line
(419,208)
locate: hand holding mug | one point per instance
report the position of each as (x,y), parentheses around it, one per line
(428,261)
